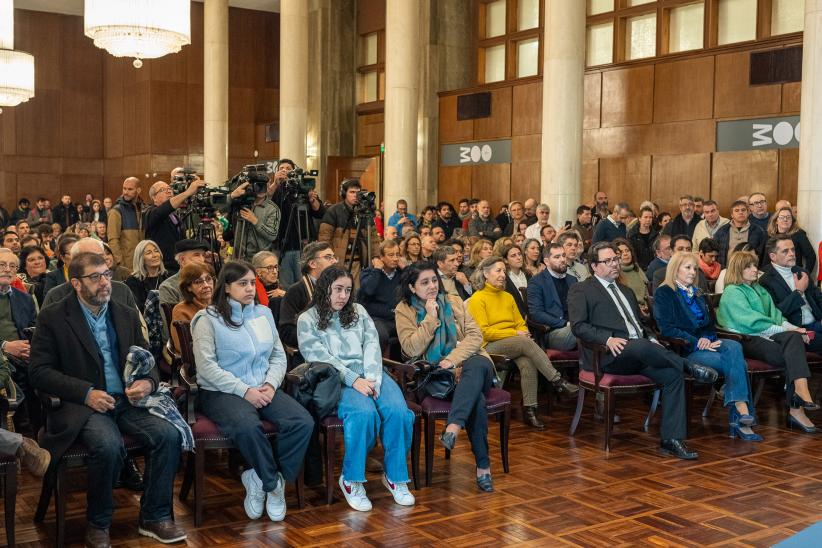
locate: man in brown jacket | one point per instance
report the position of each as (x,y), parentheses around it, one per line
(125,223)
(339,228)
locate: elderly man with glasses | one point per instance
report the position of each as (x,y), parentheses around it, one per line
(162,223)
(760,216)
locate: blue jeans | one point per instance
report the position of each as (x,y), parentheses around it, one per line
(363,418)
(289,268)
(729,361)
(101,435)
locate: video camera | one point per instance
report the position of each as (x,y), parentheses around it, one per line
(297,185)
(366,202)
(256,175)
(180,182)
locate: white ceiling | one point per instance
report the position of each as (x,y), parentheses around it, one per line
(75,7)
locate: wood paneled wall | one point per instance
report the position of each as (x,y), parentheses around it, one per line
(649,133)
(95,119)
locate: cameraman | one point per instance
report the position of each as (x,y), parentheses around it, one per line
(289,240)
(161,220)
(261,223)
(339,228)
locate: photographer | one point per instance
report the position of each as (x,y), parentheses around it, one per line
(339,228)
(282,194)
(261,221)
(162,223)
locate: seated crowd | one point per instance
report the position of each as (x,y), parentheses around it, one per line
(89,291)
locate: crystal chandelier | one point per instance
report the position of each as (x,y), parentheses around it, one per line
(143,29)
(16,67)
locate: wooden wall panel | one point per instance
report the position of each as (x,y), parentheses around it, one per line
(525,166)
(497,125)
(493,183)
(169,113)
(451,129)
(624,178)
(370,16)
(194,118)
(791,96)
(592,96)
(683,90)
(788,175)
(733,97)
(39,33)
(671,138)
(77,186)
(526,114)
(628,96)
(673,176)
(589,185)
(736,174)
(454,184)
(370,131)
(240,122)
(38,125)
(137,116)
(113,106)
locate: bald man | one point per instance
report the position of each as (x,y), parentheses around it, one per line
(162,224)
(125,223)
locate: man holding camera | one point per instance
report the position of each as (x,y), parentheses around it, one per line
(339,228)
(258,222)
(162,222)
(290,243)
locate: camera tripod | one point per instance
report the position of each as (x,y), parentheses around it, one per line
(298,222)
(361,221)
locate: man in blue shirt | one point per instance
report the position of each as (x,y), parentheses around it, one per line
(78,354)
(402,217)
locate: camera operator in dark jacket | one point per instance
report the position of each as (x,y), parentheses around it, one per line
(289,239)
(162,222)
(257,221)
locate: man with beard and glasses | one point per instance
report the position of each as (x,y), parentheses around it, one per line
(548,298)
(78,353)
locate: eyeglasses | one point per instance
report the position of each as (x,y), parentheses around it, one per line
(269,268)
(329,257)
(784,218)
(758,202)
(203,281)
(609,261)
(95,277)
(10,266)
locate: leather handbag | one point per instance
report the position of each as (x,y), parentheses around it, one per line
(434,381)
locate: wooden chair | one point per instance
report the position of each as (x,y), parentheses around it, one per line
(610,385)
(207,435)
(8,475)
(171,367)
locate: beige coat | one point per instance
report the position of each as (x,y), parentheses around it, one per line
(415,338)
(123,242)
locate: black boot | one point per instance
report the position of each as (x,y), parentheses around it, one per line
(529,417)
(130,476)
(564,388)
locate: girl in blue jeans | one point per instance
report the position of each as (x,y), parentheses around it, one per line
(337,331)
(681,311)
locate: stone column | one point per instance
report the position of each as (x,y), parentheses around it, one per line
(809,195)
(215,91)
(402,56)
(562,107)
(293,80)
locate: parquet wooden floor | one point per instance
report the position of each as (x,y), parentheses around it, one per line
(561,491)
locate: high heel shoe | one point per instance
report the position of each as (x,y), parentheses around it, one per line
(792,423)
(797,402)
(735,431)
(735,417)
(448,440)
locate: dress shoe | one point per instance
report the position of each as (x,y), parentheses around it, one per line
(797,402)
(735,431)
(735,417)
(564,388)
(678,449)
(485,483)
(792,423)
(165,531)
(529,417)
(448,440)
(97,538)
(33,457)
(701,373)
(130,476)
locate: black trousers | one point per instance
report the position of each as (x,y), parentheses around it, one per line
(785,350)
(468,405)
(643,357)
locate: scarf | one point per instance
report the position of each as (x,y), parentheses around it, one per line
(711,271)
(445,336)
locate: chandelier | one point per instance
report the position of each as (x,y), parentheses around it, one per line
(143,29)
(16,67)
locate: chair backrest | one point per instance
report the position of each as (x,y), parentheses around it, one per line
(403,373)
(186,345)
(167,309)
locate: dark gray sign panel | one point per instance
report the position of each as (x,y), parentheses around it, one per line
(759,133)
(476,152)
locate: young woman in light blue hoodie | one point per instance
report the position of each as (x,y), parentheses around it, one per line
(240,368)
(337,331)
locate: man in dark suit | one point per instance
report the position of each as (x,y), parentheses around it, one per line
(448,260)
(78,353)
(606,313)
(790,286)
(548,298)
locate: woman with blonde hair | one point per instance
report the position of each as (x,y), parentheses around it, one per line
(496,249)
(482,249)
(784,222)
(681,312)
(747,308)
(630,273)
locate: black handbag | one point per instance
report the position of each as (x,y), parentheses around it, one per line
(434,381)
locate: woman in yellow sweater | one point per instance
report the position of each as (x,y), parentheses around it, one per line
(504,332)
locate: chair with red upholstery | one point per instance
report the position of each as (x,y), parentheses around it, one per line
(207,435)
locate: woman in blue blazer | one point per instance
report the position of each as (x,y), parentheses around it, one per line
(681,312)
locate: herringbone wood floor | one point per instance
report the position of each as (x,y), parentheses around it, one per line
(561,491)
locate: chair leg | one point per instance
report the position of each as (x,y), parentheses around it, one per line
(9,499)
(330,451)
(429,449)
(199,485)
(415,451)
(300,488)
(760,384)
(60,506)
(578,412)
(709,403)
(447,454)
(608,413)
(188,478)
(504,430)
(43,503)
(652,409)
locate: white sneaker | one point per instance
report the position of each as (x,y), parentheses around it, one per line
(275,501)
(355,496)
(254,494)
(400,492)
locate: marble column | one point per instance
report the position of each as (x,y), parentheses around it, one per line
(215,91)
(562,108)
(293,80)
(809,194)
(402,83)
